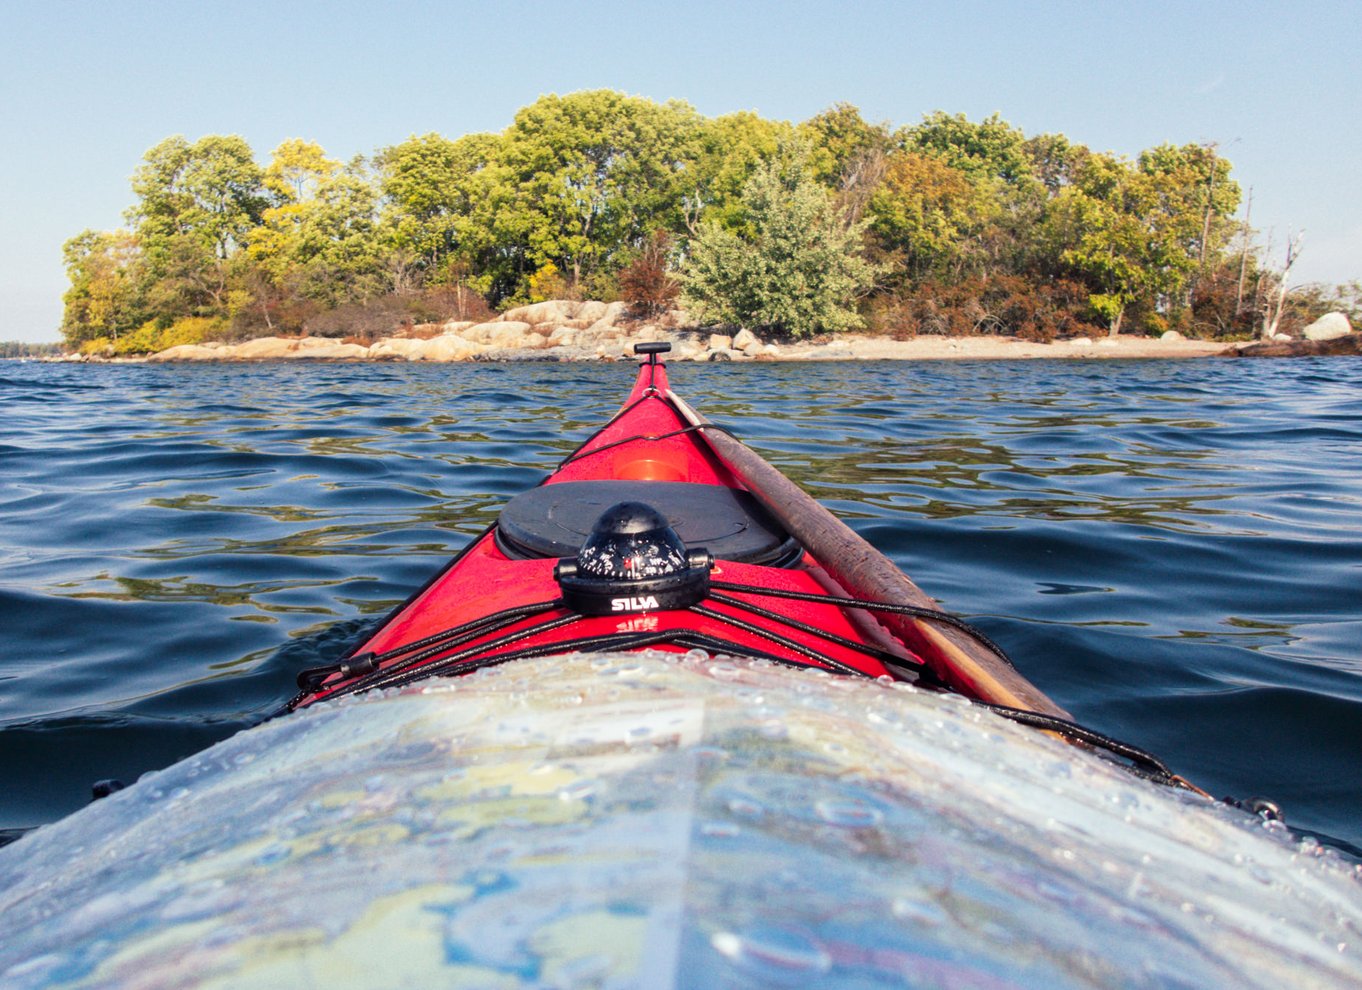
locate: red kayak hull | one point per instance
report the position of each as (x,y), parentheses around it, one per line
(654,440)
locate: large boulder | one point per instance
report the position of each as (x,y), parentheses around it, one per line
(550,311)
(326,349)
(188,352)
(450,347)
(1330,326)
(263,349)
(602,329)
(591,311)
(398,349)
(501,333)
(1172,335)
(745,340)
(689,348)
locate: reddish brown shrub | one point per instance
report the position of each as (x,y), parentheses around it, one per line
(647,284)
(1005,304)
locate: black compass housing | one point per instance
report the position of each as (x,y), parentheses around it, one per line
(633,561)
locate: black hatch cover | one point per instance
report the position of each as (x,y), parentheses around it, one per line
(554,520)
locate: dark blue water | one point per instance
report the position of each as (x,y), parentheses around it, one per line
(1173,551)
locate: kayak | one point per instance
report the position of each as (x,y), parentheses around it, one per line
(668,723)
(664,531)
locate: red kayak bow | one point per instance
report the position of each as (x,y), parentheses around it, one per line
(662,531)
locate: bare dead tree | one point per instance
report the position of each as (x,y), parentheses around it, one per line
(1276,300)
(1210,146)
(860,177)
(1243,254)
(403,271)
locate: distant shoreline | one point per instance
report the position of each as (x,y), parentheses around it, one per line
(686,346)
(575,331)
(850,347)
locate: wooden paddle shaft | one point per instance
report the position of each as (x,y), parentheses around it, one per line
(953,655)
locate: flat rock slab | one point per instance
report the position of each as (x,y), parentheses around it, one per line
(1351,344)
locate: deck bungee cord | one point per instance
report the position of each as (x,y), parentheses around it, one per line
(916,611)
(647,438)
(430,657)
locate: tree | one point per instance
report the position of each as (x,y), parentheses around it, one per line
(1097,224)
(289,234)
(799,271)
(210,190)
(106,294)
(589,176)
(296,170)
(430,188)
(1050,160)
(197,204)
(1007,189)
(729,150)
(1133,231)
(839,141)
(992,148)
(931,215)
(1277,289)
(317,246)
(647,283)
(1196,194)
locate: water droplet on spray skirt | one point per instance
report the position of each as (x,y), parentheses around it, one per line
(778,955)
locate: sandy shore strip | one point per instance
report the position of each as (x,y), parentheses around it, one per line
(692,346)
(868,348)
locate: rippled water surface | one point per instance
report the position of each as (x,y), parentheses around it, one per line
(1172,550)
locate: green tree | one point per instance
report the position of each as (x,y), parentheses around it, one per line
(290,234)
(1001,168)
(800,269)
(1051,159)
(839,139)
(990,149)
(588,176)
(317,246)
(431,187)
(1132,231)
(729,150)
(296,169)
(931,216)
(23,349)
(197,204)
(106,294)
(1197,194)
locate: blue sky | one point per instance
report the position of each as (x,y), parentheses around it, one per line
(86,88)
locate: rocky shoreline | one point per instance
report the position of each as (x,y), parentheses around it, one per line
(562,330)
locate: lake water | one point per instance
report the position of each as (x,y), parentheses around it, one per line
(1171,550)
